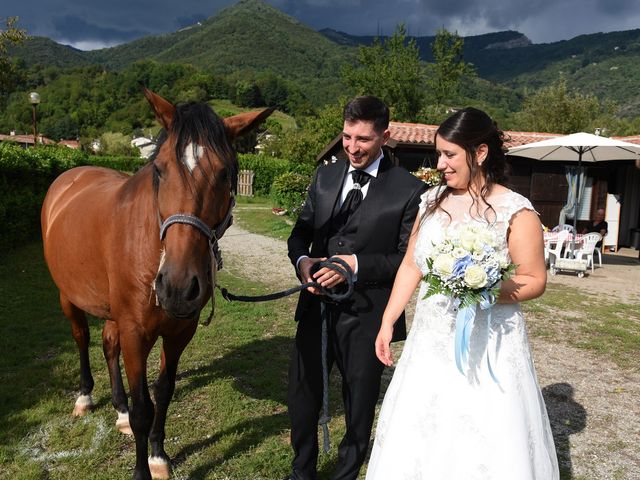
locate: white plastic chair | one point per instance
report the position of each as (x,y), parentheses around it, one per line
(589,241)
(564,226)
(597,250)
(556,251)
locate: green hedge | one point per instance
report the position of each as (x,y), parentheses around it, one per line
(25,176)
(266,169)
(124,164)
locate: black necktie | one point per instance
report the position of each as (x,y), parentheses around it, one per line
(354,197)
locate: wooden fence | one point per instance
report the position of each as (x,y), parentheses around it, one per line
(245,183)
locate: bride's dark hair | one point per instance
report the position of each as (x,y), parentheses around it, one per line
(469,128)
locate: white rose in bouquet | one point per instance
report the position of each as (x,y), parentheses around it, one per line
(443,265)
(467,239)
(475,277)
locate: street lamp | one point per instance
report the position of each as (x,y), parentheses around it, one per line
(34,100)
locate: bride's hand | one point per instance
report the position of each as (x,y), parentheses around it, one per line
(383,341)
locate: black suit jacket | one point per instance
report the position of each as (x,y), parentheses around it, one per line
(387,215)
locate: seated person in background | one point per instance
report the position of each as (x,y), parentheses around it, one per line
(598,225)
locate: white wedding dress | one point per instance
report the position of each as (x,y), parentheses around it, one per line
(435,422)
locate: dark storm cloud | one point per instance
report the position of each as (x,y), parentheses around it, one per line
(74,29)
(117,21)
(540,20)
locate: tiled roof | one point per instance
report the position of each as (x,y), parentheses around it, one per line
(418,133)
(412,132)
(70,143)
(27,139)
(632,139)
(515,139)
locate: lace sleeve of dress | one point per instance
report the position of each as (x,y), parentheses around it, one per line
(516,204)
(427,197)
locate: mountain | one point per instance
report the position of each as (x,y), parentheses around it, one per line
(604,64)
(251,37)
(472,44)
(46,52)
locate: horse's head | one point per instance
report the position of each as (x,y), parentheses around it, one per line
(194,177)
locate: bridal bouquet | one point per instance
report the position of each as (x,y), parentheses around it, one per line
(430,176)
(468,266)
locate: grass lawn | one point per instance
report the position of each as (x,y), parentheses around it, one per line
(228,418)
(254,214)
(592,322)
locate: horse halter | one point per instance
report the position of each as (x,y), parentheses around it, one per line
(212,234)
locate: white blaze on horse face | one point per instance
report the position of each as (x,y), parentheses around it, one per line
(192,154)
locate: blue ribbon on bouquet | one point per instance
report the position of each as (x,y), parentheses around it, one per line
(464,323)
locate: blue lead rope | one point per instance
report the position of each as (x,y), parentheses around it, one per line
(464,323)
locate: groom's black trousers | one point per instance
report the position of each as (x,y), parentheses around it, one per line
(352,348)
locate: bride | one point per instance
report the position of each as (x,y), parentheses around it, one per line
(488,420)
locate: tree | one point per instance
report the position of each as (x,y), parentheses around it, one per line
(9,74)
(247,94)
(448,67)
(115,143)
(391,70)
(303,144)
(559,110)
(274,91)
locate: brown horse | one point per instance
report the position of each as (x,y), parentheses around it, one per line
(111,253)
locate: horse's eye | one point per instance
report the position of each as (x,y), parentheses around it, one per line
(156,170)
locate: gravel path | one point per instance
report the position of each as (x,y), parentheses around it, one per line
(593,404)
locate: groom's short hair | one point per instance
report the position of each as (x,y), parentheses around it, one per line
(369,109)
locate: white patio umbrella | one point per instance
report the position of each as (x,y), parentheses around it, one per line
(578,147)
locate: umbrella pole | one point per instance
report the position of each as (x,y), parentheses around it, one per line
(575,205)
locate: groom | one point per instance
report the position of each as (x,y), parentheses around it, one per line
(361,211)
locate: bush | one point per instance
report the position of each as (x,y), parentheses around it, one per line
(267,168)
(289,191)
(119,144)
(25,176)
(124,164)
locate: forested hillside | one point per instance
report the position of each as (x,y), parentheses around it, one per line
(604,64)
(240,41)
(253,55)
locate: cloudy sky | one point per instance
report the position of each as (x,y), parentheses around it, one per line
(88,24)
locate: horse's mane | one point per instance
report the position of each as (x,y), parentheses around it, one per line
(196,122)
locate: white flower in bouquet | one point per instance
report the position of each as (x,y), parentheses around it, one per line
(475,277)
(488,237)
(459,252)
(467,239)
(503,260)
(443,264)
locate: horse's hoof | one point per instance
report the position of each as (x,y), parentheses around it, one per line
(83,405)
(122,423)
(160,468)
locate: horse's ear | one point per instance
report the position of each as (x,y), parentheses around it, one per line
(163,109)
(242,123)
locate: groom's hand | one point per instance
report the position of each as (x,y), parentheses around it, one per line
(330,278)
(304,268)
